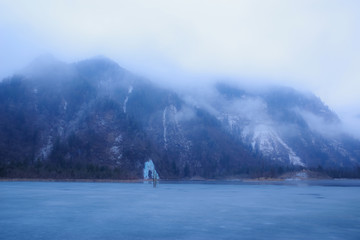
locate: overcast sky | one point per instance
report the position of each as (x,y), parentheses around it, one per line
(306,44)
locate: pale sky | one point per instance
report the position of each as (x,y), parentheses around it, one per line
(312,45)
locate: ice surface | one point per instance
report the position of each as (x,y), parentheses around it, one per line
(63,210)
(149,170)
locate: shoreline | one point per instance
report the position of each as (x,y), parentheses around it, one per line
(71,180)
(245,180)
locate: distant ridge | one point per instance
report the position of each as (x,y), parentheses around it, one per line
(95,120)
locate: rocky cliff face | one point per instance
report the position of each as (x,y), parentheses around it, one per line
(94,119)
(287,126)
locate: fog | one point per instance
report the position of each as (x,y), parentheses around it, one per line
(320,125)
(310,45)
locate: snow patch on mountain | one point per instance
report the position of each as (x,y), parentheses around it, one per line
(265,139)
(45,150)
(247,118)
(338,146)
(117,149)
(232,121)
(125,102)
(169,117)
(119,138)
(130,89)
(127,98)
(164,127)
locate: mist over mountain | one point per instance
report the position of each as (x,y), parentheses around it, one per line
(95,119)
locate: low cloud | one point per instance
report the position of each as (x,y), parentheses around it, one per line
(253,109)
(181,43)
(185,114)
(320,125)
(349,124)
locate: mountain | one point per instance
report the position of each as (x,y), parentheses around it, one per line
(287,126)
(94,119)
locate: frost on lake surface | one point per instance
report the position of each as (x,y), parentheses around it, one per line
(150,171)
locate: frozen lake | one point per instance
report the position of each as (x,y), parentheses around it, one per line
(212,210)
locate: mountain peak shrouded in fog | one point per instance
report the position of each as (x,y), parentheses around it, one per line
(44,63)
(301,44)
(94,118)
(47,67)
(100,62)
